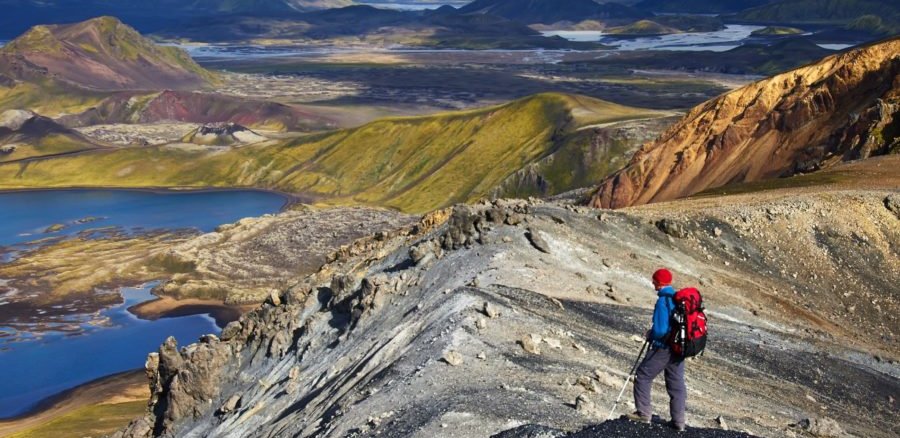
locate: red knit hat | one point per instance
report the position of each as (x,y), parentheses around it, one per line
(662,277)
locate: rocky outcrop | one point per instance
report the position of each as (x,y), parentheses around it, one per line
(243,263)
(845,107)
(222,134)
(460,324)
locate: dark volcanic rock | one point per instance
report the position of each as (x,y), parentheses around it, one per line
(620,428)
(531,431)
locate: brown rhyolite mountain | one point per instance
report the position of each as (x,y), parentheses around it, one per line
(99,54)
(844,107)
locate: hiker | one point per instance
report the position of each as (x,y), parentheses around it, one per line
(660,358)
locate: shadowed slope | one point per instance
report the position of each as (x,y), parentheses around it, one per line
(26,135)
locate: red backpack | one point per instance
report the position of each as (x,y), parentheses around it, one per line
(688,334)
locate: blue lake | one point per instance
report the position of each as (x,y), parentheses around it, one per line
(35,366)
(26,216)
(36,369)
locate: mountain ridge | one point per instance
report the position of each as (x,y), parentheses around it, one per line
(413,164)
(798,121)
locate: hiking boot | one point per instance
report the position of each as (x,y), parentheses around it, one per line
(637,417)
(678,427)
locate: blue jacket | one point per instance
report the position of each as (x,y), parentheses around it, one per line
(662,314)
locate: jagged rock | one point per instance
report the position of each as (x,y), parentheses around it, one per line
(497,215)
(230,331)
(588,384)
(423,253)
(514,219)
(490,310)
(531,343)
(274,298)
(137,428)
(231,404)
(463,229)
(482,355)
(537,241)
(585,405)
(453,358)
(721,422)
(222,134)
(607,379)
(341,287)
(822,427)
(892,203)
(8,148)
(672,228)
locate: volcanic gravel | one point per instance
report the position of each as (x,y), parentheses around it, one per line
(621,428)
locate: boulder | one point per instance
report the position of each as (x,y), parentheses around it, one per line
(531,343)
(453,358)
(822,427)
(672,228)
(892,203)
(537,241)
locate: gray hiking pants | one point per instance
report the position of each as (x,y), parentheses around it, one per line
(657,360)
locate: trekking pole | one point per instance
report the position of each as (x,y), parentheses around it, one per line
(630,375)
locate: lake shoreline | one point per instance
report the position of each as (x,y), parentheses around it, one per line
(291,199)
(168,307)
(124,386)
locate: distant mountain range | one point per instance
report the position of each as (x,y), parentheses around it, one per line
(872,17)
(103,71)
(552,11)
(442,28)
(19,15)
(866,16)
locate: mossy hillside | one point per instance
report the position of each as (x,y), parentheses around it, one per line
(777,31)
(643,27)
(52,144)
(110,38)
(93,420)
(580,161)
(412,164)
(48,98)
